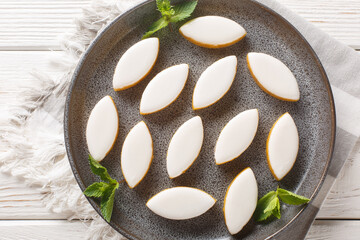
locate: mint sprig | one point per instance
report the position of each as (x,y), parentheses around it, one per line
(291,198)
(183,10)
(269,204)
(103,190)
(170,14)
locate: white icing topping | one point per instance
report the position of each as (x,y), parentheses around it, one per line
(184,147)
(135,63)
(282,146)
(236,136)
(136,154)
(102,128)
(240,201)
(214,82)
(164,88)
(212,31)
(180,203)
(274,76)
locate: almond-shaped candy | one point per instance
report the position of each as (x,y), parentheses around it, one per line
(136,63)
(273,76)
(164,89)
(180,203)
(282,146)
(214,82)
(212,31)
(240,201)
(184,147)
(136,154)
(102,128)
(236,136)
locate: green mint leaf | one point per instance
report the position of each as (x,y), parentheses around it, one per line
(183,10)
(163,5)
(170,14)
(99,170)
(165,8)
(269,204)
(262,204)
(276,210)
(291,198)
(272,205)
(96,189)
(104,190)
(107,201)
(156,26)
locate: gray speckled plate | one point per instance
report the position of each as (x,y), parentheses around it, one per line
(268,33)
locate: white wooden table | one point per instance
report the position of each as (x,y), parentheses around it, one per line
(29,29)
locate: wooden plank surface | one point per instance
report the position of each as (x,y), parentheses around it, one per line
(42,230)
(334,230)
(343,201)
(75,230)
(16,68)
(18,201)
(36,24)
(339,18)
